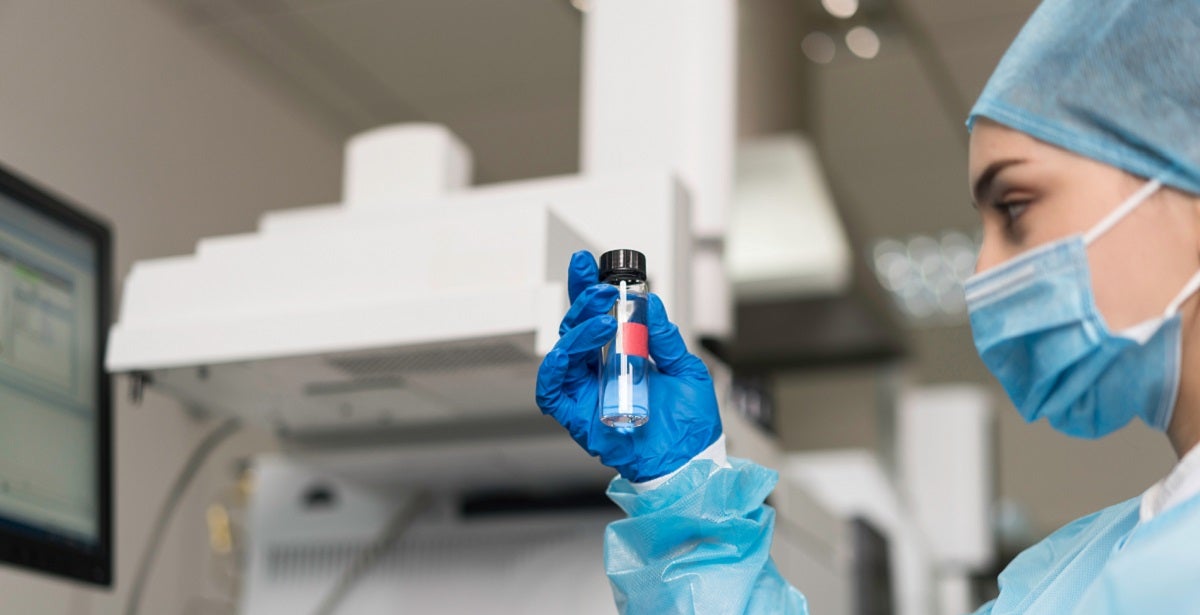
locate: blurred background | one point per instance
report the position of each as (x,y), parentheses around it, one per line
(183,119)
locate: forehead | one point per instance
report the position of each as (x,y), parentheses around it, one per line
(991,142)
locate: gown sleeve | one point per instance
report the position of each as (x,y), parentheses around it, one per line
(698,543)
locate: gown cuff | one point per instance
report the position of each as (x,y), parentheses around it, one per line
(714,453)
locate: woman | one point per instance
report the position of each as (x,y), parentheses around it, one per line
(1085,167)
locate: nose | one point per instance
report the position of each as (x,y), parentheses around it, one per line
(994,248)
(980,265)
(988,256)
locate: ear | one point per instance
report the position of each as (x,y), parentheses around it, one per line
(1191,206)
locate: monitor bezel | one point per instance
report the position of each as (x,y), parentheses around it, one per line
(90,566)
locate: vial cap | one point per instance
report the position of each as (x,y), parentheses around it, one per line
(617,265)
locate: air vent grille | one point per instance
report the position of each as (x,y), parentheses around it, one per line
(440,358)
(304,562)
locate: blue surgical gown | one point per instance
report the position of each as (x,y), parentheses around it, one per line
(700,544)
(1108,563)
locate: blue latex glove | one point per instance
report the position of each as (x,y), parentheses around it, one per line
(683,404)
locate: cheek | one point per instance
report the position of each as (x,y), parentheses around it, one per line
(1055,214)
(1044,222)
(1139,267)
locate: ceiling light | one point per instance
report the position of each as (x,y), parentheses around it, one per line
(842,9)
(819,47)
(863,42)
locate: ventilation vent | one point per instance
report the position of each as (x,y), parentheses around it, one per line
(310,560)
(305,562)
(440,358)
(362,385)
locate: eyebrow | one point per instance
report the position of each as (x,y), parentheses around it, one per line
(984,183)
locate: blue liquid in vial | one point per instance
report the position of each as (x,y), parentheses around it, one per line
(625,364)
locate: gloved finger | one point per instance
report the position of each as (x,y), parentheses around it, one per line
(582,344)
(564,363)
(589,336)
(667,347)
(581,273)
(550,378)
(596,300)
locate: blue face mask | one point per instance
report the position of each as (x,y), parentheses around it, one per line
(1037,329)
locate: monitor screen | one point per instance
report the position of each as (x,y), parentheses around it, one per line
(55,415)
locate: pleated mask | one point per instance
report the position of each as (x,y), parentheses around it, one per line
(1036,327)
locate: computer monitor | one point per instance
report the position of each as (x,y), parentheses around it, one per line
(55,405)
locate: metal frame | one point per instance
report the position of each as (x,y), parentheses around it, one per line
(93,565)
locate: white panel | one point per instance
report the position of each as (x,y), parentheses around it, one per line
(944,450)
(785,237)
(659,92)
(421,279)
(712,294)
(811,549)
(955,594)
(399,163)
(251,324)
(854,483)
(646,211)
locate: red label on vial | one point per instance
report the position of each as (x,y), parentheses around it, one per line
(637,340)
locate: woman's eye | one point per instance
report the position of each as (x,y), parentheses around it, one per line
(1012,210)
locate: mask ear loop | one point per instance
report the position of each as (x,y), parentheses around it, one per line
(1189,289)
(1161,419)
(1122,210)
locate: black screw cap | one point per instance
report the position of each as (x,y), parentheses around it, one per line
(622,265)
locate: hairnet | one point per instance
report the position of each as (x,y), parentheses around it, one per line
(1117,81)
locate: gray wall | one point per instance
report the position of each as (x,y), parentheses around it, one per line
(118,108)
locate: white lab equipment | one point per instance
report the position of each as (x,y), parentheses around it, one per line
(785,238)
(659,91)
(944,452)
(404,163)
(308,323)
(310,519)
(378,326)
(856,484)
(929,493)
(394,348)
(392,341)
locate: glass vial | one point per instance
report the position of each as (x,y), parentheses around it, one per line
(625,361)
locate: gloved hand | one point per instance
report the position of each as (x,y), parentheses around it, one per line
(683,403)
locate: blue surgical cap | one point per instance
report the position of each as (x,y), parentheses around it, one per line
(1117,81)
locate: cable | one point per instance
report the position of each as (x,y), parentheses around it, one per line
(195,461)
(366,558)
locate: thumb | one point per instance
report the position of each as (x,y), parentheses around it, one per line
(581,273)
